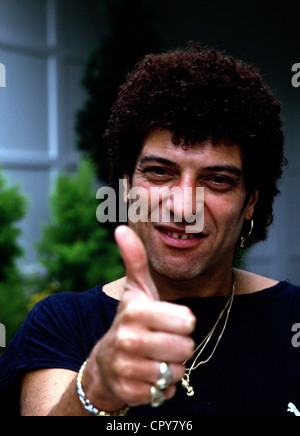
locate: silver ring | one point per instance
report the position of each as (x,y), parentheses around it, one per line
(157,397)
(164,381)
(166,377)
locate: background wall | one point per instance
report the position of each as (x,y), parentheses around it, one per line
(44,45)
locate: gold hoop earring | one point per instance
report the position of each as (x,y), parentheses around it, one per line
(244,238)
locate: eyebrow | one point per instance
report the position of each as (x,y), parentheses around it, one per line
(227,168)
(232,169)
(154,158)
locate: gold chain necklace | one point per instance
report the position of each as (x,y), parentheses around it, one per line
(185,381)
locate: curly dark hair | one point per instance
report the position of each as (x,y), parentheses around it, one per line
(198,94)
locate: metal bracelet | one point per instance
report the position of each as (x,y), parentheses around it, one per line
(88,405)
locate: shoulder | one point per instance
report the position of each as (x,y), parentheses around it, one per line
(59,332)
(72,312)
(249,283)
(285,292)
(95,294)
(67,303)
(115,289)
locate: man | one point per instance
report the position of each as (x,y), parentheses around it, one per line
(183,334)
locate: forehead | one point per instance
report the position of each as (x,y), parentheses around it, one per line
(159,143)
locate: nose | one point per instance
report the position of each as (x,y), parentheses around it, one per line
(187,206)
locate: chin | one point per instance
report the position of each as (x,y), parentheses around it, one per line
(177,274)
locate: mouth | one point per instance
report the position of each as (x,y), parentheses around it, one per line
(179,235)
(177,238)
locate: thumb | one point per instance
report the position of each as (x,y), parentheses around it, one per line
(135,259)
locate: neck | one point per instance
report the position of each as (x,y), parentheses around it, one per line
(209,284)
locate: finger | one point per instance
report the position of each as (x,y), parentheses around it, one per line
(144,370)
(135,393)
(157,346)
(161,316)
(136,262)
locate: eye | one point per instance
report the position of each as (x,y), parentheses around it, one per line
(220,179)
(219,182)
(157,171)
(158,174)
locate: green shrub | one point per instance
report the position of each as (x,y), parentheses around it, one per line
(12,209)
(12,296)
(13,304)
(75,249)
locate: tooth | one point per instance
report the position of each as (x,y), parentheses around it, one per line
(168,233)
(174,235)
(184,237)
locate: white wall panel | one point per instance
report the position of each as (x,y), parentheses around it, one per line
(23,108)
(74,97)
(24,22)
(44,46)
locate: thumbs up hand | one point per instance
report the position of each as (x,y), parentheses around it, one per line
(138,278)
(125,363)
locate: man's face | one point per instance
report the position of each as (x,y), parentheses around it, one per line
(172,252)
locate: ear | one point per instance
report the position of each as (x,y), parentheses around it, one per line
(249,209)
(126,186)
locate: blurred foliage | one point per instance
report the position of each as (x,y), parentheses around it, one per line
(12,210)
(75,249)
(130,29)
(13,304)
(12,296)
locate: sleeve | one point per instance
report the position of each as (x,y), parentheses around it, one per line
(50,337)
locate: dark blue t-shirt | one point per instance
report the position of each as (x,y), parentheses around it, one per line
(254,371)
